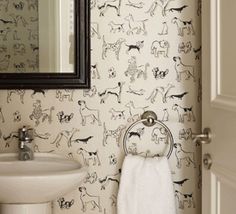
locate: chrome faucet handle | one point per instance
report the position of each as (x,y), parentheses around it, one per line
(26,134)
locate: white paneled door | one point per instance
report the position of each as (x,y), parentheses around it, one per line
(219,105)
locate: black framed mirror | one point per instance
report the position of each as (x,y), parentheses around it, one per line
(45,44)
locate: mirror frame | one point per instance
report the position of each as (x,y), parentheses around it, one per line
(79,79)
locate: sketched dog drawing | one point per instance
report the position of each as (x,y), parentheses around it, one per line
(138,92)
(185,47)
(185,134)
(116,134)
(19,48)
(19,6)
(19,67)
(4,5)
(183,25)
(163,91)
(94,71)
(65,94)
(116,27)
(39,113)
(64,118)
(113,200)
(63,204)
(160,48)
(111,72)
(184,112)
(184,156)
(94,30)
(38,91)
(93,4)
(112,159)
(165,29)
(3,49)
(135,112)
(197,53)
(115,4)
(181,68)
(1,116)
(165,116)
(19,19)
(135,71)
(9,138)
(138,5)
(33,34)
(161,3)
(86,113)
(87,198)
(32,4)
(114,47)
(4,33)
(16,116)
(116,114)
(34,64)
(159,74)
(89,156)
(137,46)
(136,26)
(5,62)
(116,91)
(138,133)
(159,135)
(91,178)
(90,92)
(183,198)
(106,181)
(18,92)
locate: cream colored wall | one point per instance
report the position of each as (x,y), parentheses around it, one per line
(113,67)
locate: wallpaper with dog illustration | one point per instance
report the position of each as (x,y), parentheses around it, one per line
(19,36)
(145,56)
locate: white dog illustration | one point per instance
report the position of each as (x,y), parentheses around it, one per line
(183,198)
(183,25)
(184,112)
(115,91)
(89,199)
(184,156)
(181,68)
(86,112)
(89,156)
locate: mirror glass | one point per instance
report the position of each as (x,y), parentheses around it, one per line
(37,36)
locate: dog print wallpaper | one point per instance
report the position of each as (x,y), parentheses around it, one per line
(19,36)
(146,55)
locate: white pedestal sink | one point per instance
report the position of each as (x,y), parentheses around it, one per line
(30,186)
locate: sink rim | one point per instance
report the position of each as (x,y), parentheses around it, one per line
(43,158)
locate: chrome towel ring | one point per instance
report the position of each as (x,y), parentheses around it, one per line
(161,134)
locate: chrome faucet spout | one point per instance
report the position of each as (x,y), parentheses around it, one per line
(25,144)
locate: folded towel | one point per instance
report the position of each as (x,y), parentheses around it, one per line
(146,187)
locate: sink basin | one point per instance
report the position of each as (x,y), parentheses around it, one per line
(41,180)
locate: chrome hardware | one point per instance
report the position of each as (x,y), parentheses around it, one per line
(204,138)
(149,119)
(207,161)
(25,139)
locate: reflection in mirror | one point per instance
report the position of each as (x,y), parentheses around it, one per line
(37,36)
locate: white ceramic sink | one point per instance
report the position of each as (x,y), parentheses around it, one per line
(41,180)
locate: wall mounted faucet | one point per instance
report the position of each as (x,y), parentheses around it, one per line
(25,144)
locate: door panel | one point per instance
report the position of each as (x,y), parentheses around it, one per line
(219,106)
(227,46)
(223,190)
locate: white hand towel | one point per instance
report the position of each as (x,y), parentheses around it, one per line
(146,187)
